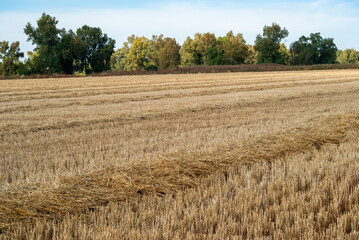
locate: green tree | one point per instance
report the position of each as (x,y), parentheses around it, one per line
(195,51)
(268,46)
(67,53)
(149,54)
(119,57)
(284,54)
(25,67)
(9,56)
(214,56)
(46,37)
(94,49)
(116,60)
(252,55)
(208,50)
(301,52)
(235,50)
(169,55)
(136,58)
(59,51)
(275,33)
(313,50)
(348,56)
(327,51)
(203,43)
(154,47)
(188,53)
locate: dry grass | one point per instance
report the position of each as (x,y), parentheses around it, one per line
(114,157)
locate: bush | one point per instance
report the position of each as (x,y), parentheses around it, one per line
(151,68)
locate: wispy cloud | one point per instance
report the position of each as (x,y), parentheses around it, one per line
(336,19)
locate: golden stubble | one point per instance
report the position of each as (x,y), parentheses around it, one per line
(56,130)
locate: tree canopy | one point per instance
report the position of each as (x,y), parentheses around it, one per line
(61,51)
(10,55)
(94,49)
(348,56)
(46,38)
(268,46)
(208,50)
(169,56)
(141,53)
(313,50)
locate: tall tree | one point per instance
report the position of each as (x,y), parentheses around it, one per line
(284,54)
(235,50)
(275,33)
(195,51)
(188,53)
(327,50)
(169,56)
(95,49)
(268,45)
(136,57)
(10,55)
(46,37)
(119,57)
(154,47)
(203,43)
(214,56)
(116,60)
(302,52)
(67,52)
(252,55)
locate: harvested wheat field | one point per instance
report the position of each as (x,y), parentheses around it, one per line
(271,155)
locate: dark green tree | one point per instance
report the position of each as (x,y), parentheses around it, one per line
(214,56)
(67,52)
(327,51)
(61,51)
(46,36)
(268,45)
(301,52)
(94,49)
(313,50)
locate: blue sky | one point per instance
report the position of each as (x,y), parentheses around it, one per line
(179,19)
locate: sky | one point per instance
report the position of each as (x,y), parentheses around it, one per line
(179,19)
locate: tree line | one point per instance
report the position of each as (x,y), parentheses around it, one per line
(58,51)
(89,50)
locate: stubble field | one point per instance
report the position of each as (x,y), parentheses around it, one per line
(192,156)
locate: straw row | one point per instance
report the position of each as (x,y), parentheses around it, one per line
(166,174)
